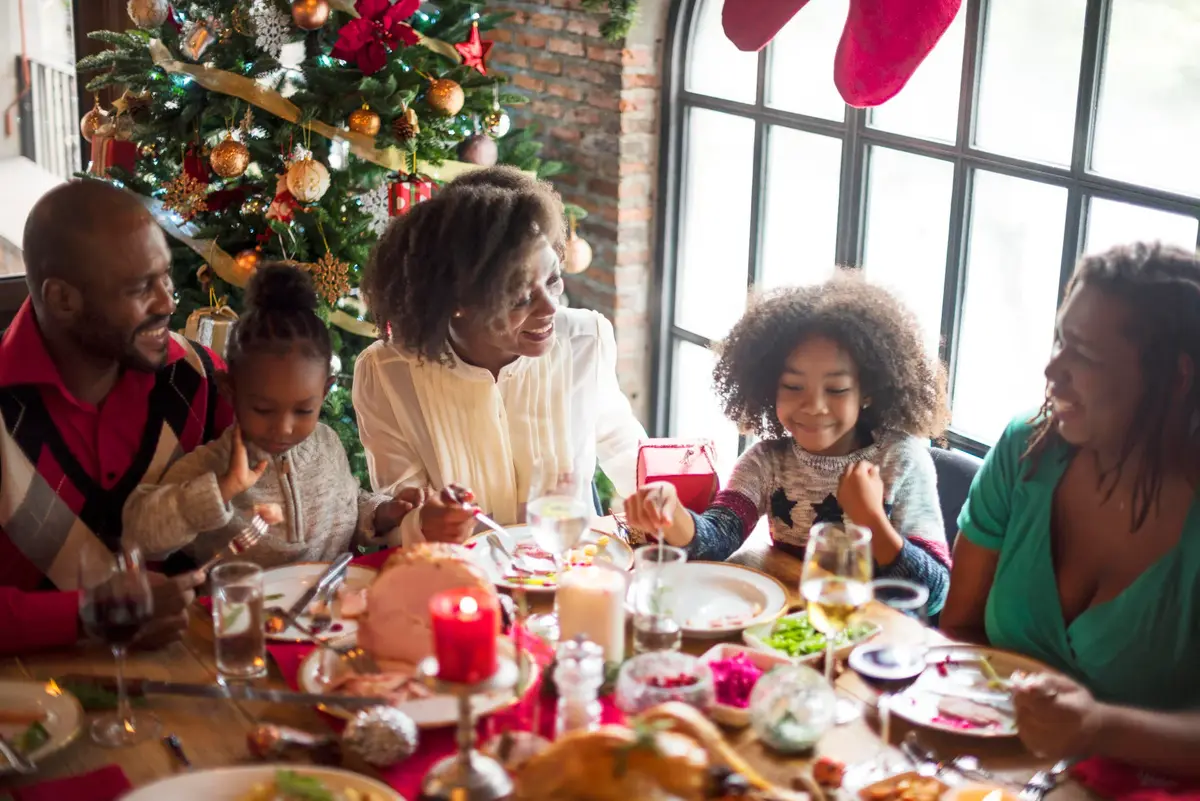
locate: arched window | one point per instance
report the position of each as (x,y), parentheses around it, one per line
(1034,132)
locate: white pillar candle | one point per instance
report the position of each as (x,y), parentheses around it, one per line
(591,602)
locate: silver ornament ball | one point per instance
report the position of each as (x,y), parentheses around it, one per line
(381,736)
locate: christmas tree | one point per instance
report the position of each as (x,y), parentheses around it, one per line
(255,130)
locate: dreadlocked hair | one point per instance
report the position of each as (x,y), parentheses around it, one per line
(280,314)
(1160,285)
(907,388)
(468,247)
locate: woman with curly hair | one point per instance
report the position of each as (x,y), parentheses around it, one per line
(483,380)
(1080,541)
(836,380)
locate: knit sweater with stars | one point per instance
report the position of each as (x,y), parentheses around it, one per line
(797,490)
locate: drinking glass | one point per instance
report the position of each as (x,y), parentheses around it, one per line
(114,603)
(558,516)
(237,614)
(655,625)
(835,584)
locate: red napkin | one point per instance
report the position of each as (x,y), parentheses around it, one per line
(1120,782)
(105,784)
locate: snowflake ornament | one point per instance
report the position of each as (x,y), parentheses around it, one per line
(272,27)
(375,203)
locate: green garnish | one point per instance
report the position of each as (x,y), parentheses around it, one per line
(31,739)
(275,597)
(301,788)
(796,636)
(232,616)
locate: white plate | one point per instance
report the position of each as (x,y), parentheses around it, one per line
(919,703)
(233,784)
(283,586)
(734,716)
(427,713)
(756,637)
(716,599)
(494,563)
(62,716)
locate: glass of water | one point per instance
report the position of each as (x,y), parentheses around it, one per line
(237,613)
(655,624)
(558,516)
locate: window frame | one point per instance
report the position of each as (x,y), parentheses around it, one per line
(856,137)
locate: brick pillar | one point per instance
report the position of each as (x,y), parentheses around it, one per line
(596,105)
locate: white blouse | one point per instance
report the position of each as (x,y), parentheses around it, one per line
(426,423)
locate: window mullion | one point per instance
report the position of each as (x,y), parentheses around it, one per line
(848,250)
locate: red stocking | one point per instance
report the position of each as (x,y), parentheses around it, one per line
(750,24)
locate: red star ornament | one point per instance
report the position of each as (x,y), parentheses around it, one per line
(474,50)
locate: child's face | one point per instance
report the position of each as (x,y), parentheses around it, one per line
(277,398)
(819,397)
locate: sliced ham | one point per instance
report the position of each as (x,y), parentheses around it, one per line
(353,602)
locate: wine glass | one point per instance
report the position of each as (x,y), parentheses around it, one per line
(114,603)
(558,516)
(835,584)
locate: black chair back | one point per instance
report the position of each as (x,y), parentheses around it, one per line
(13,292)
(955,472)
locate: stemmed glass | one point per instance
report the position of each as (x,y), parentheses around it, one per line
(114,603)
(558,518)
(835,584)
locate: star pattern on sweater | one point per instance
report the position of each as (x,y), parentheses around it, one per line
(827,511)
(782,506)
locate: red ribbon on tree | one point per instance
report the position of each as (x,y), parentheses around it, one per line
(378,31)
(283,207)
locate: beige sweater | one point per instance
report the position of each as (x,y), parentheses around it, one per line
(324,509)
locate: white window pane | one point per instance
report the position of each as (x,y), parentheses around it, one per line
(695,410)
(714,66)
(1111,223)
(714,252)
(1148,122)
(800,238)
(1013,265)
(907,226)
(801,62)
(1030,79)
(927,106)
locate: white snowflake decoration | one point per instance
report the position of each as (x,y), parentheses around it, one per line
(375,203)
(272,27)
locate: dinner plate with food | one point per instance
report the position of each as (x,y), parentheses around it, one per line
(395,629)
(38,719)
(966,690)
(534,569)
(715,599)
(284,586)
(266,783)
(794,636)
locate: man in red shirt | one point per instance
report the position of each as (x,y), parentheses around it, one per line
(97,395)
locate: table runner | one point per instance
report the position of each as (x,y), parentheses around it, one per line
(106,784)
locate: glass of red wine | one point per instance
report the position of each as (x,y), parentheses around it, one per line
(114,603)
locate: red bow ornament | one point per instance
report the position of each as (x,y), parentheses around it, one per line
(378,31)
(882,45)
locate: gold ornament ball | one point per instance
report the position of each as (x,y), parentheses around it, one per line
(310,14)
(496,123)
(307,180)
(246,262)
(445,97)
(148,14)
(578,255)
(230,158)
(364,121)
(91,123)
(479,149)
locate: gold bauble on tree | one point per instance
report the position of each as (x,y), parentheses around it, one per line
(578,253)
(148,14)
(445,97)
(93,121)
(363,121)
(246,263)
(230,158)
(307,180)
(310,14)
(479,149)
(405,126)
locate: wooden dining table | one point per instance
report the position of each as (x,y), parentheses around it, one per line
(213,731)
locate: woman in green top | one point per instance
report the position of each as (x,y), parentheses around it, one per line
(1080,541)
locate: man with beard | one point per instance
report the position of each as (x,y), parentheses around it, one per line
(97,395)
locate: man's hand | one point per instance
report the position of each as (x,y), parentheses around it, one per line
(172,597)
(240,476)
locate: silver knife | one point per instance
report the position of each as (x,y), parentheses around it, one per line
(242,692)
(328,577)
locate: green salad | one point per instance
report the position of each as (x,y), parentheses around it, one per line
(796,636)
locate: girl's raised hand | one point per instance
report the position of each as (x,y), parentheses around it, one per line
(240,476)
(860,494)
(652,508)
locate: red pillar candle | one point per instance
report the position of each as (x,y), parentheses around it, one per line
(466,625)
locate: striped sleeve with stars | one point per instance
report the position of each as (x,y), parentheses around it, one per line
(796,490)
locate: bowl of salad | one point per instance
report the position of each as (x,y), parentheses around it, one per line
(795,637)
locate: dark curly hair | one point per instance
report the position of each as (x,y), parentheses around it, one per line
(1160,285)
(467,247)
(279,314)
(907,388)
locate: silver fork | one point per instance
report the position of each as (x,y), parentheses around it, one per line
(247,539)
(19,761)
(1044,781)
(358,660)
(323,619)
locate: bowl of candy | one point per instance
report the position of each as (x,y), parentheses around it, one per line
(657,677)
(736,670)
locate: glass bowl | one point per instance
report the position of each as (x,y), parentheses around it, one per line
(655,678)
(791,707)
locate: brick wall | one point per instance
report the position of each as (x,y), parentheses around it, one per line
(596,104)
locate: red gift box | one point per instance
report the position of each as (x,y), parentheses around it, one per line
(108,152)
(403,195)
(689,464)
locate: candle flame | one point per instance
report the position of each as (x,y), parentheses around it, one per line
(52,688)
(468,605)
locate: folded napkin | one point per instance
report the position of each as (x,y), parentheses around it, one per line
(105,784)
(1120,782)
